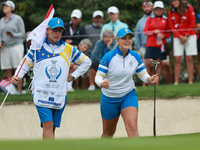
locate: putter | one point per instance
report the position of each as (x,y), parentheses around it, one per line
(154,117)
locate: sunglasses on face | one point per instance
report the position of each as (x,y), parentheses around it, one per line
(58,29)
(127,38)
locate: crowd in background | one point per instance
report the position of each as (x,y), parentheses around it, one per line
(153,35)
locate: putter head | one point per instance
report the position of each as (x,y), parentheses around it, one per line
(154,62)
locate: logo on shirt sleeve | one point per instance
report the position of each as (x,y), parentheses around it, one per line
(104,63)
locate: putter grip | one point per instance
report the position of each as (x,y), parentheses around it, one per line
(154,126)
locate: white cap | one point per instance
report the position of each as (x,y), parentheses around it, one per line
(97,13)
(8,3)
(28,38)
(158,4)
(76,13)
(113,9)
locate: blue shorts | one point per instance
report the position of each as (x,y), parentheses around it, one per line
(112,107)
(49,114)
(154,53)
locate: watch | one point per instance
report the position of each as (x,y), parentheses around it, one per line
(73,78)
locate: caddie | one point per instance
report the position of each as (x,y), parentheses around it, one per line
(50,67)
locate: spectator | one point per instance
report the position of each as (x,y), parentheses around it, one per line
(93,30)
(83,46)
(74,32)
(51,68)
(155,28)
(182,23)
(102,46)
(27,42)
(115,24)
(140,38)
(12,34)
(166,66)
(198,43)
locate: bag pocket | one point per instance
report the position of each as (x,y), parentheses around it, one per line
(49,99)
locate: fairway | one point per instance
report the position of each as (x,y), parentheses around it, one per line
(178,142)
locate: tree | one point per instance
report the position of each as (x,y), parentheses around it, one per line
(33,12)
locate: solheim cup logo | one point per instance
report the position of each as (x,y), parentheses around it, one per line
(53,72)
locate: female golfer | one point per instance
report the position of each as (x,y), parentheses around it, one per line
(115,77)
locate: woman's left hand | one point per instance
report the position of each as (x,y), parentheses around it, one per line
(153,79)
(105,84)
(160,35)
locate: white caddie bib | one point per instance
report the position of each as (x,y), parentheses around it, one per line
(50,77)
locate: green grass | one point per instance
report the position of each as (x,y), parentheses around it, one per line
(170,91)
(176,142)
(162,91)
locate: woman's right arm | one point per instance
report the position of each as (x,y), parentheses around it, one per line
(147,30)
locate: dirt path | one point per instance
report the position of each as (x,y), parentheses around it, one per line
(84,121)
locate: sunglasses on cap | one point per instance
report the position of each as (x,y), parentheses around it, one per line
(58,29)
(147,3)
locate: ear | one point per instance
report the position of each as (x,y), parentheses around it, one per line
(47,29)
(118,41)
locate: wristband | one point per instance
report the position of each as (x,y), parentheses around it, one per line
(73,78)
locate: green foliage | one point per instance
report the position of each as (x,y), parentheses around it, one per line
(177,142)
(33,12)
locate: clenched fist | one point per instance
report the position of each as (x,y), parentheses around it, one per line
(105,83)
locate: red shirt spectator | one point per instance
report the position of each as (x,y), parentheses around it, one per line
(156,23)
(182,24)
